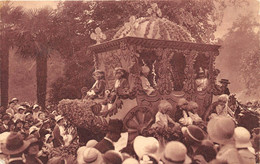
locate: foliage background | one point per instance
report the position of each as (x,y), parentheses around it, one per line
(67,73)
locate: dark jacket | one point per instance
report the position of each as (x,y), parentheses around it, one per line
(58,139)
(104,145)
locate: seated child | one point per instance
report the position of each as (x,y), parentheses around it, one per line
(162,118)
(98,89)
(121,86)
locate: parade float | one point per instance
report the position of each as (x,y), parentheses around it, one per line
(178,68)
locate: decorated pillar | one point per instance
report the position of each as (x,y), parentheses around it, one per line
(190,74)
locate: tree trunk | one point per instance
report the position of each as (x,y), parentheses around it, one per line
(4,76)
(41,75)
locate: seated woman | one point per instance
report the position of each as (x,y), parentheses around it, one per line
(121,86)
(148,89)
(201,81)
(98,89)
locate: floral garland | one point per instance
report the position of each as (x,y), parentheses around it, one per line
(80,114)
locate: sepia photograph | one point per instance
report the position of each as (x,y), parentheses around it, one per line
(129,81)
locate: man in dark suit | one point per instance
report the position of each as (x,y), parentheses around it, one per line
(114,133)
(224,86)
(58,139)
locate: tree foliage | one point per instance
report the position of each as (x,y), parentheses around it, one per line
(241,44)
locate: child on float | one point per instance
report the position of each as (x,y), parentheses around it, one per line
(120,88)
(98,88)
(162,119)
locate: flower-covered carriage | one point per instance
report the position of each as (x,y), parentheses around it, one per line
(162,62)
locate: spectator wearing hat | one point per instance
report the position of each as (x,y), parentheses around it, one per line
(221,130)
(5,127)
(36,111)
(58,139)
(115,127)
(12,108)
(19,125)
(244,146)
(31,153)
(224,86)
(175,153)
(11,126)
(34,131)
(29,118)
(89,156)
(14,147)
(181,114)
(20,114)
(98,88)
(112,157)
(193,137)
(148,89)
(146,148)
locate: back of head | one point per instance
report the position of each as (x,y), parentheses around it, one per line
(130,161)
(112,157)
(115,126)
(174,152)
(242,137)
(89,155)
(164,104)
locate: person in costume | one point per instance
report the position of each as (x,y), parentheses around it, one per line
(98,88)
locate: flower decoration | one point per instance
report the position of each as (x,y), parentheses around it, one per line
(131,25)
(154,10)
(98,35)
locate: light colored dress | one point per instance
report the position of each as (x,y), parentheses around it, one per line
(146,85)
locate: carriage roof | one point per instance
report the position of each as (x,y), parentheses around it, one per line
(152,43)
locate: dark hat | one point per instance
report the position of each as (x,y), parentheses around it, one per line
(34,141)
(195,133)
(18,121)
(14,144)
(115,125)
(224,81)
(6,117)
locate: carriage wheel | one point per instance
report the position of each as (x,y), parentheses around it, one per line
(137,120)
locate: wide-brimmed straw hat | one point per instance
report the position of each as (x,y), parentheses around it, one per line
(221,129)
(242,137)
(14,144)
(145,145)
(89,156)
(13,100)
(175,152)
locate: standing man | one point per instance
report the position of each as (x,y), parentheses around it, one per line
(224,86)
(58,139)
(114,133)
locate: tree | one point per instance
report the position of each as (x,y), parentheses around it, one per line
(36,39)
(10,18)
(242,53)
